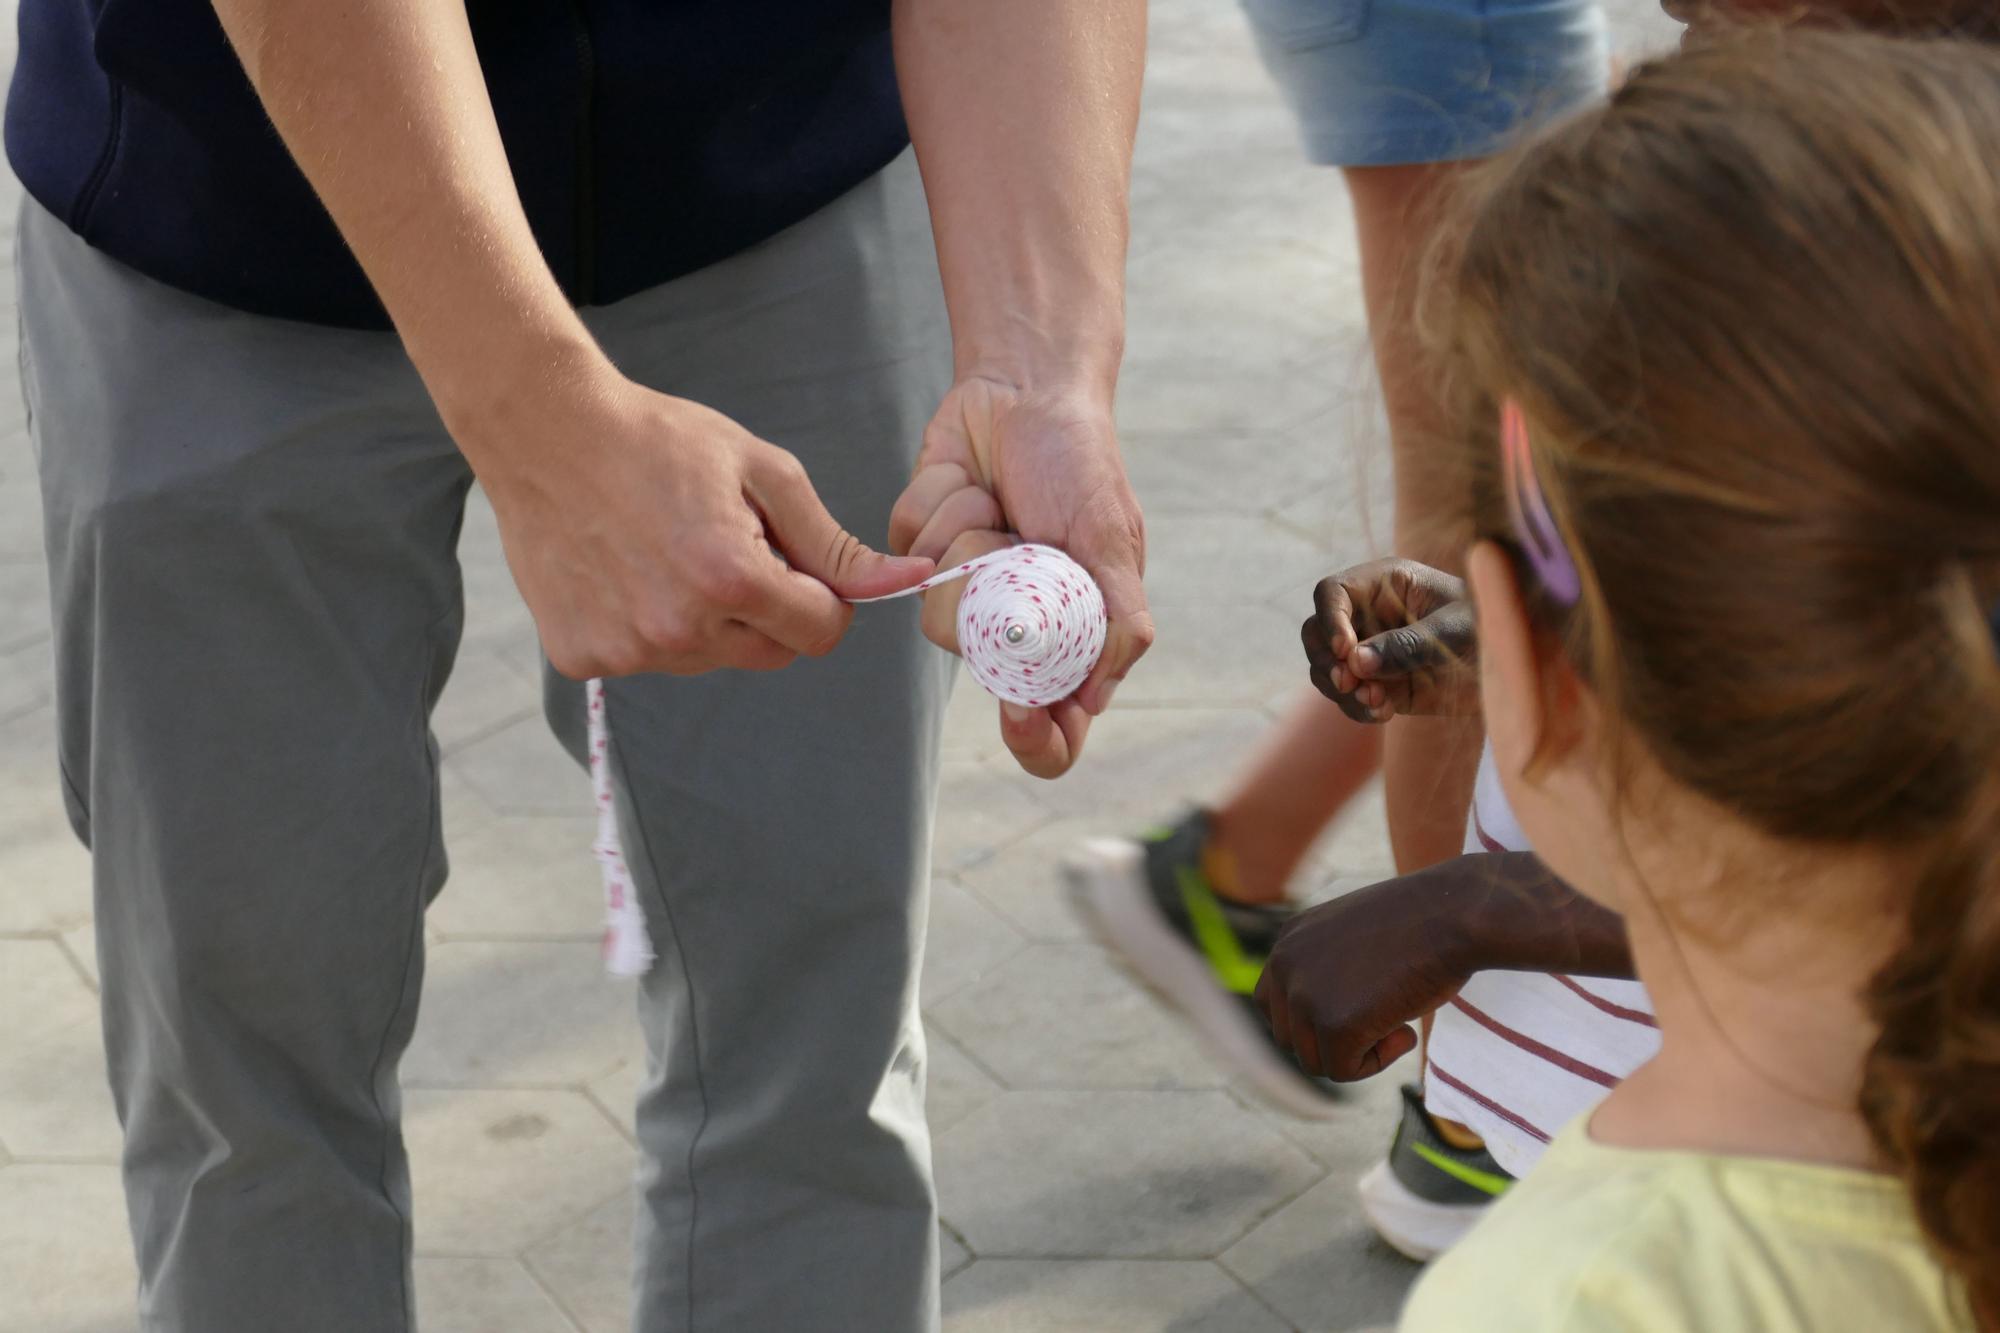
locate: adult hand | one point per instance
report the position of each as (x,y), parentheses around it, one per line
(1044,466)
(649,533)
(1392,636)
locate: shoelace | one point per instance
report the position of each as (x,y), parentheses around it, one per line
(1031,625)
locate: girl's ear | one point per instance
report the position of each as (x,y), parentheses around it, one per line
(1510,674)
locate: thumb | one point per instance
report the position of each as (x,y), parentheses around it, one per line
(1402,651)
(1386,1052)
(940,617)
(1445,638)
(815,544)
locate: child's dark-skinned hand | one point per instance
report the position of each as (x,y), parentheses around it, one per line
(1346,979)
(1392,637)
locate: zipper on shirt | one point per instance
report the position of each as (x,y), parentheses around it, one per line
(584,277)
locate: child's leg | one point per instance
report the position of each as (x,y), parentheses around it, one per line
(1309,766)
(1428,763)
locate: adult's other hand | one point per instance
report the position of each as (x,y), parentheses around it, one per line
(649,533)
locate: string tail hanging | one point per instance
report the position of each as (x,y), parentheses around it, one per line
(628,945)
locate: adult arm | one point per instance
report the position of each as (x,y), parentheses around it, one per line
(639,526)
(1023,115)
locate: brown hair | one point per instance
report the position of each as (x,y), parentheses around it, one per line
(1751,309)
(1906,18)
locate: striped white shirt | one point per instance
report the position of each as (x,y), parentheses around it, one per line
(1518,1055)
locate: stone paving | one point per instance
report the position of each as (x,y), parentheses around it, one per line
(1095,1171)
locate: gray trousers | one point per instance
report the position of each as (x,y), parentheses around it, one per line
(251,527)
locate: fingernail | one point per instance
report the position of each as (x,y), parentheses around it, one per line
(1015,713)
(1366,659)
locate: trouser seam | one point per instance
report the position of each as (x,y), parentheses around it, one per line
(415,938)
(687,981)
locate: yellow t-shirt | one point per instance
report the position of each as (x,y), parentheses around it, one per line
(1601,1238)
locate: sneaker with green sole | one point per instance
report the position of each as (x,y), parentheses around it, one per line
(1148,900)
(1427,1193)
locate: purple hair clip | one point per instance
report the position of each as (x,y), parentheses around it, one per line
(1534,526)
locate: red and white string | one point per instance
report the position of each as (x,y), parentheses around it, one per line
(1031,625)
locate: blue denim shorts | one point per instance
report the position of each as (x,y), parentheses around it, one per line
(1390,82)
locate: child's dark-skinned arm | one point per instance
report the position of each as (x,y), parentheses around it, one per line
(1348,977)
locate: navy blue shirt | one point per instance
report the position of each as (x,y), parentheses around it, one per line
(648,138)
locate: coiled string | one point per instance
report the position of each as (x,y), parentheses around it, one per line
(1031,625)
(1030,622)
